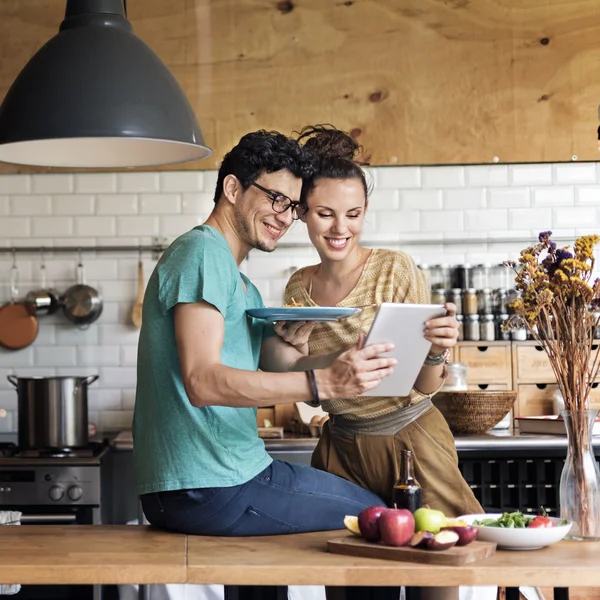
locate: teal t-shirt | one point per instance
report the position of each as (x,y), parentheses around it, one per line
(176,445)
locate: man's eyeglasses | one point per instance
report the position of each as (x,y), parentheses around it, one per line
(281,203)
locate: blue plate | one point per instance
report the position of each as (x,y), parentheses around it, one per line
(302,313)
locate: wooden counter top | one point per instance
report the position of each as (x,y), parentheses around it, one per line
(74,554)
(303,560)
(105,554)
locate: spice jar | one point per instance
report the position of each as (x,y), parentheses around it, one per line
(455,296)
(471,328)
(461,334)
(457,377)
(501,335)
(500,301)
(484,301)
(469,302)
(487,329)
(597,326)
(438,296)
(440,276)
(481,276)
(518,335)
(464,276)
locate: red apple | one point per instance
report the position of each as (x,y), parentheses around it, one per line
(368,523)
(466,533)
(420,539)
(397,526)
(442,540)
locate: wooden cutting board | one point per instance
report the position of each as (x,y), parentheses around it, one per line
(457,555)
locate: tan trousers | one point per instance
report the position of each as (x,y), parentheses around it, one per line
(371,461)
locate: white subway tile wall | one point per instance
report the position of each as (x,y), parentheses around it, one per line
(430,205)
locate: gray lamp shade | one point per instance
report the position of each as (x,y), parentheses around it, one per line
(95,95)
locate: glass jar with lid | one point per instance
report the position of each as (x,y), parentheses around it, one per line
(455,296)
(464,276)
(487,328)
(481,274)
(438,296)
(461,334)
(456,380)
(500,334)
(471,328)
(484,301)
(469,302)
(437,279)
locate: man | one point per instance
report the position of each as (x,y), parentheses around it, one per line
(200,465)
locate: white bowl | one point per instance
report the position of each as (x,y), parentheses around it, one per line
(519,538)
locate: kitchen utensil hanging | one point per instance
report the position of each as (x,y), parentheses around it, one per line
(136,313)
(81,303)
(43,301)
(18,327)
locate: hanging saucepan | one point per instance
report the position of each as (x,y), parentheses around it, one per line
(18,327)
(81,303)
(43,301)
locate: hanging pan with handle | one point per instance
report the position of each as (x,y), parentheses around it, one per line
(81,303)
(43,301)
(18,327)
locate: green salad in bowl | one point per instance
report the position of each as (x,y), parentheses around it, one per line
(517,531)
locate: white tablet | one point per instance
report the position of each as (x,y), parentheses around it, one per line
(402,324)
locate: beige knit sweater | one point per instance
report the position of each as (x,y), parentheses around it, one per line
(388,276)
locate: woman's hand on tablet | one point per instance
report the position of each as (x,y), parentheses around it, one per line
(442,332)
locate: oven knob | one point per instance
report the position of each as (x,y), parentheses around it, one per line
(56,492)
(75,492)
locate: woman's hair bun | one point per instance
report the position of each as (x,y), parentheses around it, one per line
(328,142)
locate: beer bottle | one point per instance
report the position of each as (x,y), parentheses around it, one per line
(407,492)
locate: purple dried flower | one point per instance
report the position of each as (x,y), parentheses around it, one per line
(544,235)
(562,255)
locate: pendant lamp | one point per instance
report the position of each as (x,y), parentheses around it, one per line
(96,95)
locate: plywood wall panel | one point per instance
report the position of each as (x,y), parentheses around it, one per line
(416,81)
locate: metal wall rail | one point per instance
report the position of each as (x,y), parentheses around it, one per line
(158,248)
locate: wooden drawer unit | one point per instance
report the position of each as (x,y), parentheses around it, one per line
(487,362)
(535,399)
(595,396)
(490,387)
(531,364)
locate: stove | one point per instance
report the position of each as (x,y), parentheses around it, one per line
(68,477)
(61,486)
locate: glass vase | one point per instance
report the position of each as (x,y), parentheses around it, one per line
(580,477)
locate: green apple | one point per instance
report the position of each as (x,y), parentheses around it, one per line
(428,519)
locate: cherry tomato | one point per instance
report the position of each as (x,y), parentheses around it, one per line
(540,521)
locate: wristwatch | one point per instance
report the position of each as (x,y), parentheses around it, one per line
(433,360)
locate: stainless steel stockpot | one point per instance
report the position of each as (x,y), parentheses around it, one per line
(53,411)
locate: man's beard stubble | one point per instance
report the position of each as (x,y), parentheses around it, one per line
(246,233)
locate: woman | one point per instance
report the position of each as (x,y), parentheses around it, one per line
(363,437)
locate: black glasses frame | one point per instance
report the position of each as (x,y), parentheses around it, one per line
(280,202)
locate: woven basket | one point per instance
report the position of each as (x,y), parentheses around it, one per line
(473,411)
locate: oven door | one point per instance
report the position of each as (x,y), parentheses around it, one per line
(53,515)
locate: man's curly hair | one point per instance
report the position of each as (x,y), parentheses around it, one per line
(264,152)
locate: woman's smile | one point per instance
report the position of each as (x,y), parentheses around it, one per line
(337,243)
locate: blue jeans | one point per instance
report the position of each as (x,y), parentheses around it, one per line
(284,498)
